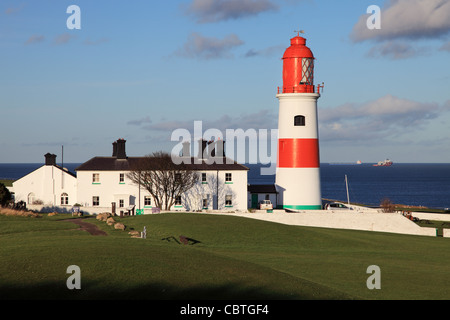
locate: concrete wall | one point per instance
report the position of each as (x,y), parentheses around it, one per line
(355,220)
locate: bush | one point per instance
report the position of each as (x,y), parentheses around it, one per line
(387,205)
(5,195)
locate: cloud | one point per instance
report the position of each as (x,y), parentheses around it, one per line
(385,117)
(140,122)
(63,38)
(36,38)
(263,119)
(396,50)
(445,47)
(14,10)
(266,52)
(206,11)
(407,19)
(198,46)
(401,21)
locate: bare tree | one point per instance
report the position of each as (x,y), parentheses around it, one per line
(387,205)
(162,178)
(214,190)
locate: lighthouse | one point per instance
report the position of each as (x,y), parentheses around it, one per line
(298,163)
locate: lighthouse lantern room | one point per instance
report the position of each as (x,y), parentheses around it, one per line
(298,162)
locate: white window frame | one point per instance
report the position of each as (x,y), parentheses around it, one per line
(95,178)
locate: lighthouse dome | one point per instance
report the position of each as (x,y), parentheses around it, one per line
(298,67)
(298,49)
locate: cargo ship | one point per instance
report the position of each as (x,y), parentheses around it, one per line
(385,163)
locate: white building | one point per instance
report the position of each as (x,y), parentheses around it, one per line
(47,186)
(102,185)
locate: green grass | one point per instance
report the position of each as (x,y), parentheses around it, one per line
(235,258)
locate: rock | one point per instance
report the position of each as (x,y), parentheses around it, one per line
(119,226)
(51,214)
(110,221)
(103,216)
(134,233)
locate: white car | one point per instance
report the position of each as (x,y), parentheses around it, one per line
(265,205)
(336,206)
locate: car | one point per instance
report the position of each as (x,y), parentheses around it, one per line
(265,205)
(336,206)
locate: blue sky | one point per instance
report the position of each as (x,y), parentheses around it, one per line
(141,69)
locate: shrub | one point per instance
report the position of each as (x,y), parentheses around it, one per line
(5,195)
(387,205)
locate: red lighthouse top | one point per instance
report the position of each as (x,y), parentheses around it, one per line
(298,67)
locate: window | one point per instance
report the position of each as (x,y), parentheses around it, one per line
(31,198)
(64,199)
(205,203)
(96,178)
(228,200)
(147,201)
(204,178)
(122,178)
(95,201)
(178,200)
(228,177)
(307,71)
(299,121)
(121,203)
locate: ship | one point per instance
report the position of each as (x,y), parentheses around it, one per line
(385,163)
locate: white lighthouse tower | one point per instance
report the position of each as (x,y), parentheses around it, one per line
(298,163)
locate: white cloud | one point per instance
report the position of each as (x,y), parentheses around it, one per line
(206,11)
(198,46)
(407,19)
(396,50)
(386,117)
(63,38)
(403,24)
(36,38)
(263,119)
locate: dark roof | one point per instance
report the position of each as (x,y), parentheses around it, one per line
(262,188)
(114,164)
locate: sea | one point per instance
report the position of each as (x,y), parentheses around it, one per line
(415,184)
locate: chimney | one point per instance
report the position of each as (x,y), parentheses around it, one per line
(216,148)
(202,144)
(121,154)
(114,149)
(186,149)
(211,148)
(50,159)
(220,148)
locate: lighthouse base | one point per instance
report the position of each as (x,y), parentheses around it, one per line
(299,188)
(301,207)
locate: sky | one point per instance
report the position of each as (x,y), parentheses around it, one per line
(142,69)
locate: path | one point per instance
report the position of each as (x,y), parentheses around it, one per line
(89,227)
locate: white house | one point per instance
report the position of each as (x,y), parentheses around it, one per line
(47,186)
(103,185)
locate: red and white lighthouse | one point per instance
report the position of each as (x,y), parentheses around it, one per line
(298,163)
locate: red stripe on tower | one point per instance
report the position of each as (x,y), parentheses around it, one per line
(298,153)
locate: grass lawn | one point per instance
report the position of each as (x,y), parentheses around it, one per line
(235,258)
